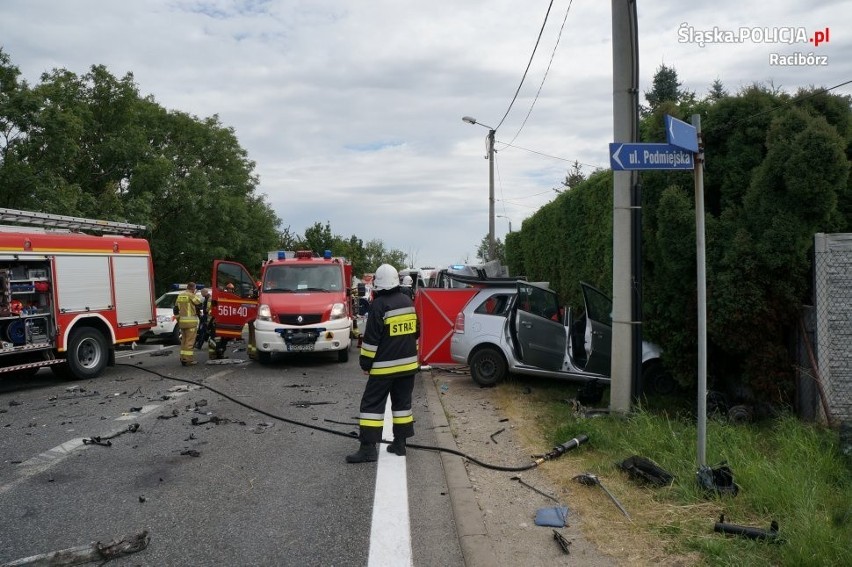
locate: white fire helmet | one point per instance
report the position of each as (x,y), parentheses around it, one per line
(407,281)
(386,277)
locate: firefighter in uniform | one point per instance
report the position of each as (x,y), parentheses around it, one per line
(389,357)
(407,282)
(186,306)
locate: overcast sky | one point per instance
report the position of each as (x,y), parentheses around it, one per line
(352,109)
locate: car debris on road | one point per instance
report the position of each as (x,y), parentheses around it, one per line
(104,441)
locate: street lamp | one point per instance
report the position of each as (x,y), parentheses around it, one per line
(492,251)
(508,219)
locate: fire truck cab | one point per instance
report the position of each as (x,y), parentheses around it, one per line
(302,303)
(68,298)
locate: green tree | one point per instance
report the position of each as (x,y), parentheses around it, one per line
(574,177)
(289,240)
(777,171)
(793,194)
(318,238)
(91,146)
(717,91)
(17,108)
(353,250)
(666,88)
(375,254)
(482,251)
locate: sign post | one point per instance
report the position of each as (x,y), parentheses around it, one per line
(701,280)
(682,152)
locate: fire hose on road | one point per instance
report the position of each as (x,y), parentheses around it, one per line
(554,453)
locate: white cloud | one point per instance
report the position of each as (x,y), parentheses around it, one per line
(352,109)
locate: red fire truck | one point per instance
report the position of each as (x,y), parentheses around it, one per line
(67,298)
(302,303)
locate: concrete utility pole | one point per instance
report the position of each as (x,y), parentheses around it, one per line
(492,244)
(624,92)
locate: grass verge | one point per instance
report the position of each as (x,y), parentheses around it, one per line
(787,471)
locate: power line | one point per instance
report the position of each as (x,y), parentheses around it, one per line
(709,130)
(528,65)
(549,63)
(529,196)
(548,155)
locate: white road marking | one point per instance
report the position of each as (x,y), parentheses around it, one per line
(42,462)
(133,415)
(56,455)
(390,533)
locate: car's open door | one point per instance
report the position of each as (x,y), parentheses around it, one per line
(599,314)
(234,298)
(541,335)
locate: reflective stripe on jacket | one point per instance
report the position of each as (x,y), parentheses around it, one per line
(187,304)
(389,346)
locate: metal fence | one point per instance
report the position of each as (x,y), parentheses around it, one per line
(832,326)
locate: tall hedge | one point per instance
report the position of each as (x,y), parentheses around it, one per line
(777,171)
(568,240)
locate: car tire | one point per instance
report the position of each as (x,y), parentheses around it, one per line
(343,355)
(175,336)
(656,381)
(87,353)
(487,366)
(264,357)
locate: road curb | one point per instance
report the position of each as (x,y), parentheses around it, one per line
(472,533)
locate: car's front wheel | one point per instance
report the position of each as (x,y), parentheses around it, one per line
(487,366)
(175,335)
(656,381)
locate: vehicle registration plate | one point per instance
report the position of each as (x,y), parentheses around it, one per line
(300,348)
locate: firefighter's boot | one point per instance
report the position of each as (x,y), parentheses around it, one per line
(366,454)
(397,447)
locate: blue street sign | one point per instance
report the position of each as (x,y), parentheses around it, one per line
(681,134)
(623,156)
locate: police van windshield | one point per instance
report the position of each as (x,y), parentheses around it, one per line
(297,279)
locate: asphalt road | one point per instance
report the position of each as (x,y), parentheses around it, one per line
(242,489)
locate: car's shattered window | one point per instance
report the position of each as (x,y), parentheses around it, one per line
(494,305)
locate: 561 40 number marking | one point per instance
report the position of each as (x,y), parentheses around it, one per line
(230,311)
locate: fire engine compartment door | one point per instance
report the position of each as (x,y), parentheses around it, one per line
(82,283)
(133,297)
(234,297)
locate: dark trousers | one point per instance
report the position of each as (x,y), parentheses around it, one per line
(373,404)
(201,338)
